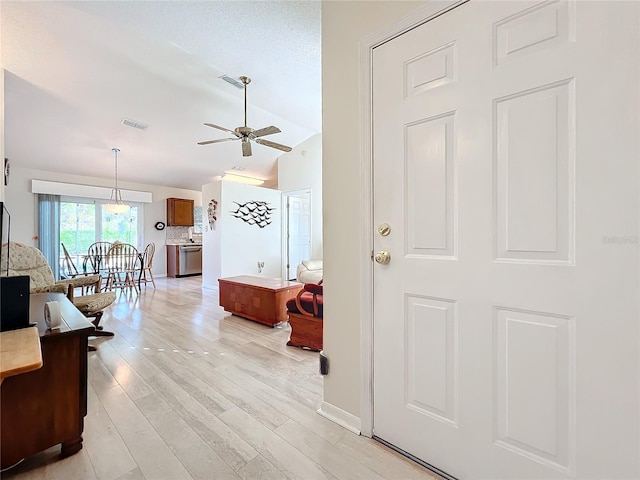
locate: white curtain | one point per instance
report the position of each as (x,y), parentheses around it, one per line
(49,230)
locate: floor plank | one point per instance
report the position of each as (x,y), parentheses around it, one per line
(294,463)
(103,444)
(149,450)
(194,453)
(321,451)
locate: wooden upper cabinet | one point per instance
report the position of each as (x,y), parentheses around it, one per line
(179,212)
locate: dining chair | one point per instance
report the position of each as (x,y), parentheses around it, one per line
(121,264)
(94,260)
(69,269)
(28,260)
(147,265)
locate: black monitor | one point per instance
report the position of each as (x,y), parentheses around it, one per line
(14,302)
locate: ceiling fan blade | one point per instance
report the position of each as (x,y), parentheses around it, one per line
(221,128)
(267,143)
(246,148)
(217,141)
(266,131)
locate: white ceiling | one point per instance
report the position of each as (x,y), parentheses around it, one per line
(74,70)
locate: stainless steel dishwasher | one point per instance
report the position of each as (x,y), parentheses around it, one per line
(190,260)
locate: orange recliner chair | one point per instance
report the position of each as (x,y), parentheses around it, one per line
(305,317)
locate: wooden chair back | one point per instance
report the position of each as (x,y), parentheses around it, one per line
(122,262)
(70,269)
(149,252)
(96,253)
(146,275)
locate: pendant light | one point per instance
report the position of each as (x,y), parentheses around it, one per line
(116,205)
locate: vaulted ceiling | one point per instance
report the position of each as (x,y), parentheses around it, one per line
(75,70)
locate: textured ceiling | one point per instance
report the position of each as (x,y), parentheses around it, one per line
(74,70)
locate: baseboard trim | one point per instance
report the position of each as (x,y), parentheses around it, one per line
(339,416)
(208,286)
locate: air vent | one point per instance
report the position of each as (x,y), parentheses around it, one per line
(132,123)
(233,81)
(237,168)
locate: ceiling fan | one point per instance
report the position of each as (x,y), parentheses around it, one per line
(246,134)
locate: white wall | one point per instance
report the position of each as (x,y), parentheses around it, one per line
(211,237)
(22,204)
(244,245)
(301,169)
(344,25)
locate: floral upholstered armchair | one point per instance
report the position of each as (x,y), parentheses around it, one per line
(26,260)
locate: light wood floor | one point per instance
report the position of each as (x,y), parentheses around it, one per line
(185,390)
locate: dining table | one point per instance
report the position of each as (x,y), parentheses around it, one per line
(98,264)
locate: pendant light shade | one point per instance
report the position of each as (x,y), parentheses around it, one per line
(116,205)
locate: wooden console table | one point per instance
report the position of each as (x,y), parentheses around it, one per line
(45,407)
(263,300)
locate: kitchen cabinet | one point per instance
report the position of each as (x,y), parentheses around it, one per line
(173,257)
(179,212)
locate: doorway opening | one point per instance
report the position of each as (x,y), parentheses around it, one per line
(297,231)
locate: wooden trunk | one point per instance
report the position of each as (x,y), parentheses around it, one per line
(263,300)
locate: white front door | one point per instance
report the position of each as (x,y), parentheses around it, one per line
(298,231)
(506,339)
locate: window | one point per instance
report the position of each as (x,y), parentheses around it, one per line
(84,221)
(197,219)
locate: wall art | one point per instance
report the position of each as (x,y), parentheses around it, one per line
(254,212)
(211,212)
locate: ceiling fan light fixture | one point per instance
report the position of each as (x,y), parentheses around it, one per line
(116,204)
(245,133)
(242,179)
(232,81)
(134,124)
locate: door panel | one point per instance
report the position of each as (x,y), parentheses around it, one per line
(534,166)
(534,422)
(506,339)
(298,231)
(429,186)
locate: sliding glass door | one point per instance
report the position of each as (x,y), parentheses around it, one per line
(77,226)
(85,221)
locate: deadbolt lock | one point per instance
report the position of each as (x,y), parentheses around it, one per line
(384,229)
(383,257)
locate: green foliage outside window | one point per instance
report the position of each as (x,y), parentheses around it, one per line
(78,226)
(122,227)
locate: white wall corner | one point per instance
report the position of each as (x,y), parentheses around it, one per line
(339,416)
(209,286)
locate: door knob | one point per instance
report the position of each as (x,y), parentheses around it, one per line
(383,257)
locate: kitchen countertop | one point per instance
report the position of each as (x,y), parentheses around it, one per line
(197,244)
